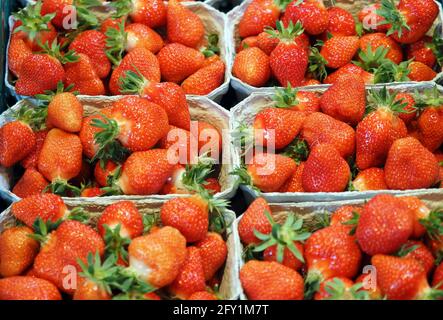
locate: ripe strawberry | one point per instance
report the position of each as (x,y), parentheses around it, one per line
(282,283)
(320,128)
(296,100)
(125,214)
(311,13)
(437,280)
(140,35)
(295,182)
(48,207)
(212,185)
(418,251)
(341,22)
(277,126)
(420,72)
(93,44)
(60,158)
(68,245)
(101,173)
(350,68)
(157,258)
(380,40)
(429,122)
(410,110)
(402,278)
(183,26)
(87,134)
(191,277)
(17,141)
(251,65)
(18,51)
(27,288)
(112,23)
(138,60)
(409,165)
(423,51)
(310,82)
(368,283)
(258,15)
(421,214)
(326,258)
(370,179)
(149,12)
(385,224)
(339,288)
(339,50)
(91,192)
(17,251)
(345,100)
(370,18)
(379,129)
(177,62)
(264,41)
(248,42)
(345,216)
(254,218)
(180,144)
(205,80)
(202,295)
(85,14)
(325,170)
(32,182)
(213,252)
(289,60)
(83,77)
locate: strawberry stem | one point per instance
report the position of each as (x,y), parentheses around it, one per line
(371,60)
(116,43)
(384,99)
(55,51)
(132,82)
(32,20)
(393,17)
(285,97)
(287,34)
(212,48)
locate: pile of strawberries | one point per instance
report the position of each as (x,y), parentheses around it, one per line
(97,56)
(133,146)
(347,139)
(388,248)
(119,254)
(304,43)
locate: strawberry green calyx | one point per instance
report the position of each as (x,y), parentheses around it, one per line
(32,21)
(212,48)
(393,17)
(149,221)
(195,176)
(116,43)
(431,294)
(81,215)
(312,283)
(352,222)
(243,138)
(433,224)
(317,63)
(288,34)
(63,188)
(115,243)
(384,99)
(298,150)
(113,188)
(370,60)
(406,249)
(283,236)
(132,83)
(43,229)
(244,178)
(337,291)
(429,98)
(282,4)
(85,13)
(388,71)
(285,97)
(216,208)
(49,95)
(121,8)
(130,283)
(54,51)
(33,116)
(437,47)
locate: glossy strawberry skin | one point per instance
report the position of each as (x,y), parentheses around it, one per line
(342,215)
(341,22)
(254,218)
(205,80)
(251,65)
(420,253)
(289,260)
(349,68)
(370,179)
(377,40)
(152,13)
(257,16)
(295,182)
(27,288)
(183,26)
(419,51)
(311,13)
(420,72)
(430,127)
(18,51)
(16,142)
(140,35)
(289,62)
(32,182)
(339,50)
(213,251)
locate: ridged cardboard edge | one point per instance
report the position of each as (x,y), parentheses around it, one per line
(308,210)
(213,20)
(243,89)
(245,112)
(229,286)
(201,108)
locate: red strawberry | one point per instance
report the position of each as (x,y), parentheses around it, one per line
(180,144)
(212,185)
(373,41)
(370,179)
(112,23)
(17,251)
(258,15)
(296,100)
(17,141)
(177,62)
(264,41)
(248,42)
(350,68)
(282,283)
(341,22)
(191,277)
(183,26)
(83,77)
(149,12)
(254,218)
(140,35)
(385,224)
(251,65)
(86,16)
(339,50)
(370,18)
(125,214)
(420,72)
(213,252)
(344,216)
(430,121)
(48,207)
(418,251)
(205,80)
(410,109)
(18,51)
(337,288)
(437,280)
(32,182)
(345,100)
(27,288)
(320,128)
(325,170)
(210,140)
(311,13)
(91,192)
(409,165)
(420,212)
(423,51)
(65,111)
(101,173)
(294,183)
(87,135)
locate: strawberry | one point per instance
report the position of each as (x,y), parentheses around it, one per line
(18,51)
(68,245)
(254,218)
(368,283)
(326,258)
(83,77)
(277,125)
(289,60)
(295,182)
(370,18)
(17,141)
(27,288)
(125,214)
(311,13)
(258,15)
(212,185)
(213,252)
(385,224)
(103,171)
(83,10)
(379,129)
(177,62)
(48,207)
(345,216)
(402,278)
(410,110)
(87,134)
(429,122)
(380,40)
(296,100)
(251,65)
(341,22)
(339,50)
(320,128)
(282,283)
(345,100)
(420,72)
(437,280)
(247,42)
(264,41)
(32,182)
(112,23)
(310,82)
(149,12)
(205,80)
(421,213)
(418,251)
(425,51)
(157,258)
(350,68)
(93,44)
(183,26)
(409,165)
(202,295)
(267,171)
(60,159)
(325,170)
(91,192)
(17,251)
(180,144)
(370,179)
(141,60)
(340,288)
(191,277)
(140,35)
